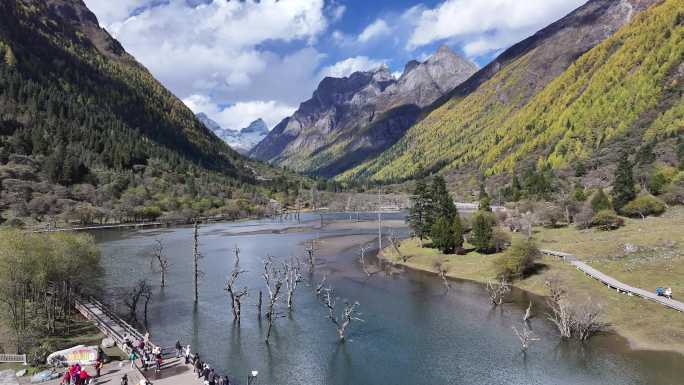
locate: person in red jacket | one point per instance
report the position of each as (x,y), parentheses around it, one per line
(66,378)
(83,377)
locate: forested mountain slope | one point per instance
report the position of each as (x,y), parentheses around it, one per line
(82,122)
(533,110)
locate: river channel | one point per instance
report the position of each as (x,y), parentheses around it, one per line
(413,332)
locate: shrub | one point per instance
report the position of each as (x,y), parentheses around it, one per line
(607,220)
(500,239)
(643,206)
(674,193)
(657,183)
(551,215)
(518,260)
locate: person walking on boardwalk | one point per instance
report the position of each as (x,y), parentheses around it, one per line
(159,363)
(83,377)
(124,379)
(188,353)
(66,378)
(133,356)
(98,367)
(212,377)
(179,349)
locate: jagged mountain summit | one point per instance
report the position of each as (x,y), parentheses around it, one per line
(539,102)
(348,120)
(239,140)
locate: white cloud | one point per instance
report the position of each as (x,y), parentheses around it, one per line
(348,66)
(484,26)
(240,114)
(216,47)
(374,30)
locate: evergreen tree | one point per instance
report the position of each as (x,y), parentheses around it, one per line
(600,202)
(442,235)
(443,204)
(420,217)
(516,189)
(457,231)
(623,187)
(482,233)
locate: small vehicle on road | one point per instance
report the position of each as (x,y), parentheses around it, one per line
(664,292)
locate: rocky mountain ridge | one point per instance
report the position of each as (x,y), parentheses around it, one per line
(350,119)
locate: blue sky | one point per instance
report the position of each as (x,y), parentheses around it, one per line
(242,60)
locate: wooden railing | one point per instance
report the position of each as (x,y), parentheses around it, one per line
(614,283)
(21,358)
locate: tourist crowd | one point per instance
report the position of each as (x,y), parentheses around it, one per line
(151,356)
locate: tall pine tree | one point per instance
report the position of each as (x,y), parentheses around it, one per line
(623,187)
(443,203)
(420,217)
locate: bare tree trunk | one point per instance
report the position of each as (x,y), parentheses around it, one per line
(526,336)
(274,278)
(528,313)
(196,256)
(349,314)
(161,260)
(236,250)
(259,305)
(497,292)
(235,296)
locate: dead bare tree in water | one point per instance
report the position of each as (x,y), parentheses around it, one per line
(161,261)
(141,290)
(274,278)
(196,256)
(442,271)
(293,276)
(146,296)
(235,294)
(236,251)
(587,321)
(528,313)
(497,291)
(349,313)
(310,253)
(362,260)
(581,322)
(321,285)
(526,337)
(258,305)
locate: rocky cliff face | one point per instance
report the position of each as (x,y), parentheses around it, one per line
(349,119)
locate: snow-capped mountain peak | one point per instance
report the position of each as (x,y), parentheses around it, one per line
(241,141)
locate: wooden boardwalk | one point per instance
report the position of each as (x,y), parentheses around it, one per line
(174,371)
(614,283)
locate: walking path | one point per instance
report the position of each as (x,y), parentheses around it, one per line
(614,283)
(174,371)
